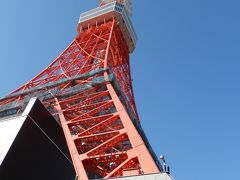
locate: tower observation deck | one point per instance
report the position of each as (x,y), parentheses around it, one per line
(88,90)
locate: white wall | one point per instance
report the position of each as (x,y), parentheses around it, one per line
(8,131)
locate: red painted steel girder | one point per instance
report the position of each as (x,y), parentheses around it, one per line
(97,111)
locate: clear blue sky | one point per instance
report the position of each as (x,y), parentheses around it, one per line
(186,71)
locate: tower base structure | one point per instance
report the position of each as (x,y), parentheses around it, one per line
(30,150)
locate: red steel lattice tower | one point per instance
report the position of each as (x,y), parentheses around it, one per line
(88,88)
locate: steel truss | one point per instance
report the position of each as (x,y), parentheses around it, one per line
(97,111)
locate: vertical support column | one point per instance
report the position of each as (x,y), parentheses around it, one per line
(78,165)
(148,165)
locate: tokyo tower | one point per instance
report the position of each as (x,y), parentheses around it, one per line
(88,90)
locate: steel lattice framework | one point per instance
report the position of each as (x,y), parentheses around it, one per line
(88,89)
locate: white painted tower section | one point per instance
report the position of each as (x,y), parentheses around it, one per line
(127,4)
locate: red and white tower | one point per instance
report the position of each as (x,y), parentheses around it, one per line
(88,89)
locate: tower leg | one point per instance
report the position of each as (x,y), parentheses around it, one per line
(145,159)
(78,165)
